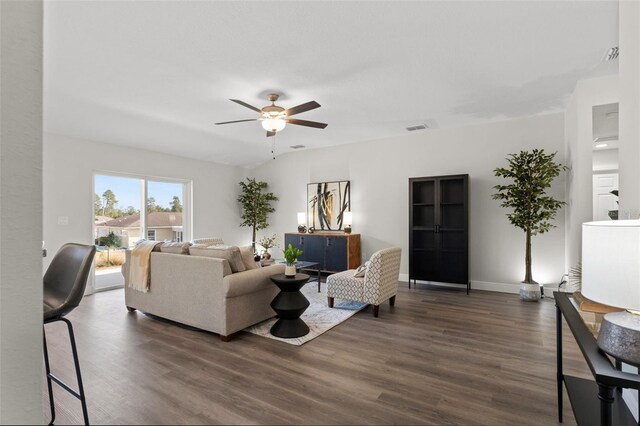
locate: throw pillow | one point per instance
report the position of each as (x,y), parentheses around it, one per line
(212,241)
(361,270)
(230,253)
(248,258)
(175,248)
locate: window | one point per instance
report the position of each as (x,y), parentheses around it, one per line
(151,234)
(177,236)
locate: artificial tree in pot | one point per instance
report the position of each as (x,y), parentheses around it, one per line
(531,174)
(256,206)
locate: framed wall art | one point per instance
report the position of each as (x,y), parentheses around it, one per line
(326,204)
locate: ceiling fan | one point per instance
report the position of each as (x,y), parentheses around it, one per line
(274,118)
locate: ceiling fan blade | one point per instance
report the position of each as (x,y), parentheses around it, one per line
(302,108)
(306,123)
(237,121)
(269,133)
(244,104)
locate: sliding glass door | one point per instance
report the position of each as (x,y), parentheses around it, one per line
(128,209)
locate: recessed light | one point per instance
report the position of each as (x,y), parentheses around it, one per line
(601,145)
(297,146)
(612,114)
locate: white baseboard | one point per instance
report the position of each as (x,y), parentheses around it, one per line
(487,286)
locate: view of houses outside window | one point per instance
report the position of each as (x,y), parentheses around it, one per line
(119,224)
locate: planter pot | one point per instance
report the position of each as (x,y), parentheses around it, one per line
(530,292)
(290,271)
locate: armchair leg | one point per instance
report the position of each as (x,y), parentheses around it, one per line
(330,302)
(392,300)
(376,309)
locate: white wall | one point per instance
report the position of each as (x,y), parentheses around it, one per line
(579,155)
(69,165)
(21,371)
(379,173)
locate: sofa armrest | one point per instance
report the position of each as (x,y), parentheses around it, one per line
(250,281)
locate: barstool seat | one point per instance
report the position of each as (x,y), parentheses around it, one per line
(64,284)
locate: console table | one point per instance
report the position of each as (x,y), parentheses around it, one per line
(598,401)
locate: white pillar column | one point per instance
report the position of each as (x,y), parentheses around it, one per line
(629,116)
(21,372)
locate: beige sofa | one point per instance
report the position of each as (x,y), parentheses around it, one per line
(202,292)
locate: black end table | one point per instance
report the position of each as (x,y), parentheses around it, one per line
(289,304)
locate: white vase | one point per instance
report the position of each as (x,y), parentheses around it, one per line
(290,271)
(530,292)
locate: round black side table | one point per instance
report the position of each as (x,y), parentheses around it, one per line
(289,304)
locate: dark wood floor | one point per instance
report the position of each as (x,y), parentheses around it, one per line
(437,357)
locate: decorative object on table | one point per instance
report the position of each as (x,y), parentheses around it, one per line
(311,230)
(289,304)
(291,255)
(531,174)
(256,206)
(611,275)
(347,221)
(439,229)
(302,222)
(379,284)
(613,214)
(575,277)
(326,204)
(267,242)
(318,316)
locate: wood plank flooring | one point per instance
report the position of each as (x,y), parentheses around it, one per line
(438,357)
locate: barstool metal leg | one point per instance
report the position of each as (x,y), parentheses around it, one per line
(52,378)
(48,371)
(82,398)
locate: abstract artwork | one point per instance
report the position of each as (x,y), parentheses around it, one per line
(326,203)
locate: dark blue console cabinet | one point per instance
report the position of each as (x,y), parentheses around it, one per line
(334,252)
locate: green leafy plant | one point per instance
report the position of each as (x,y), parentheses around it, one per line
(256,206)
(291,254)
(531,174)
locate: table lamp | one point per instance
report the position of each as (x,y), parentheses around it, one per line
(302,222)
(347,221)
(611,275)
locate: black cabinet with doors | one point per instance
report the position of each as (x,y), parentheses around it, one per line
(439,229)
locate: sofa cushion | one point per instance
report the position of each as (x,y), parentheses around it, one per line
(248,258)
(230,253)
(251,281)
(175,248)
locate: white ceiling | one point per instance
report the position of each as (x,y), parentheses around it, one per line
(157,75)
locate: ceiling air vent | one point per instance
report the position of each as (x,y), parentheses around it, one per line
(605,139)
(418,127)
(297,146)
(612,54)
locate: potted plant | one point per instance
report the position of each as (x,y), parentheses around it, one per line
(256,206)
(267,243)
(531,173)
(291,254)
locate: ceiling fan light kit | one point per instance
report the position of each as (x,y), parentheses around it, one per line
(274,118)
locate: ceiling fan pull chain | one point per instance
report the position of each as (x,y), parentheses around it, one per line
(273,146)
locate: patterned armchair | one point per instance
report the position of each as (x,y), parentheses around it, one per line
(380,281)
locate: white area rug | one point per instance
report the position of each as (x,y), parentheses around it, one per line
(318,316)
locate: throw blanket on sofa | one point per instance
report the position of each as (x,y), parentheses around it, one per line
(139,268)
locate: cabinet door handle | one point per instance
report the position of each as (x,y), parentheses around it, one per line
(301,240)
(328,242)
(437,229)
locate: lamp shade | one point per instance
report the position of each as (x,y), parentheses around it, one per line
(273,124)
(302,218)
(611,263)
(347,218)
